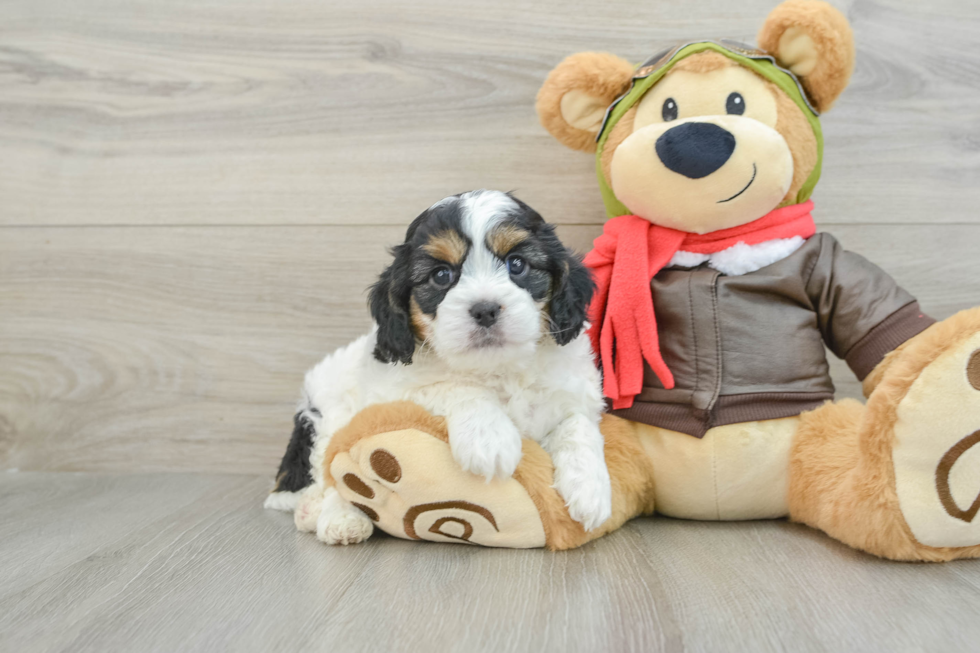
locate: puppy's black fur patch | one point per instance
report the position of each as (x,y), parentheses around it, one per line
(390,297)
(294,470)
(570,299)
(389,304)
(571,283)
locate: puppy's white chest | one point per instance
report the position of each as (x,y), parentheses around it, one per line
(531,409)
(521,411)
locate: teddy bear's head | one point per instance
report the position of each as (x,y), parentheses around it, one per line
(708,135)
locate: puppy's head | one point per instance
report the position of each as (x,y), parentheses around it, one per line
(480,279)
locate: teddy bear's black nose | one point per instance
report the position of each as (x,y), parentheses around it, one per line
(695,149)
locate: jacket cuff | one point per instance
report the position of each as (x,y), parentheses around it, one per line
(894,330)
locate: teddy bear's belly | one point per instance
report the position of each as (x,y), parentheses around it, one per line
(737,471)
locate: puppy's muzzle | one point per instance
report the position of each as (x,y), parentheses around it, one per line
(695,149)
(485,313)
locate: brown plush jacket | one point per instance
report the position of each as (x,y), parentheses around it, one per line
(751,347)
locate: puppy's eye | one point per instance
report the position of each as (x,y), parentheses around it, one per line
(669,111)
(442,276)
(735,104)
(516,265)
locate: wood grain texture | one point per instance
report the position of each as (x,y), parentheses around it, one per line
(303,111)
(173,348)
(204,191)
(192,563)
(169,349)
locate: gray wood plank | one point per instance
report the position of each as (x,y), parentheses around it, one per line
(205,568)
(182,349)
(51,522)
(300,111)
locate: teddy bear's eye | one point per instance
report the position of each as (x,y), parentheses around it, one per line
(735,105)
(669,111)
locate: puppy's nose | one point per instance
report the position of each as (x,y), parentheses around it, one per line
(485,313)
(695,149)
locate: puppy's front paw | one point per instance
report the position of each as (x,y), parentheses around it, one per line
(587,494)
(488,448)
(340,522)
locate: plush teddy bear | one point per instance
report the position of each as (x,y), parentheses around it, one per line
(716,299)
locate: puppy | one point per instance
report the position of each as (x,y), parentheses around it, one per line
(479,319)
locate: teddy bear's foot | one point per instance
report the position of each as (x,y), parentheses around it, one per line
(394,464)
(900,476)
(936,451)
(407,482)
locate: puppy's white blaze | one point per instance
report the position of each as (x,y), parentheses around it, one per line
(484,209)
(456,337)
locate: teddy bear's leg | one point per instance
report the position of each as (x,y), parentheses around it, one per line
(734,472)
(900,477)
(393,462)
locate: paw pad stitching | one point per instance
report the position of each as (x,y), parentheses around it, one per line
(467,528)
(942,479)
(358,486)
(385,465)
(373,516)
(413,513)
(973,370)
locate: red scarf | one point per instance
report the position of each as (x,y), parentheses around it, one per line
(626,257)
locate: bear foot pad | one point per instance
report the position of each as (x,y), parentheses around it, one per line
(936,454)
(409,485)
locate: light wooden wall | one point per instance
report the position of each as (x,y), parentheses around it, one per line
(195,194)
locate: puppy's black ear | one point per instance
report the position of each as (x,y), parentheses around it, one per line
(570,299)
(389,300)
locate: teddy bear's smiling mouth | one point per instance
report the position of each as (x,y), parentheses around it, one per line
(743,190)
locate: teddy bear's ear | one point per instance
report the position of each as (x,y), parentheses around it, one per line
(815,42)
(574,98)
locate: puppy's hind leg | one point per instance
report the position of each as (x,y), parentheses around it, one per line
(294,471)
(340,522)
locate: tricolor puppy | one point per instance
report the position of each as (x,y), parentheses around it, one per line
(480,319)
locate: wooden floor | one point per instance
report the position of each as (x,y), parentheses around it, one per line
(167,562)
(193,198)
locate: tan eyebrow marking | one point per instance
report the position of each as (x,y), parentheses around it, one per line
(447,246)
(505,238)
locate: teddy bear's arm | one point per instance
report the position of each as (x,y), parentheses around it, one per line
(862,313)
